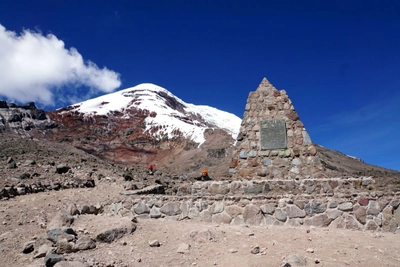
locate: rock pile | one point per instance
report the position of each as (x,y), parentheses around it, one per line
(61,239)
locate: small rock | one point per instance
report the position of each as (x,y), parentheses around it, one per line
(154,243)
(183,248)
(310,250)
(28,247)
(255,250)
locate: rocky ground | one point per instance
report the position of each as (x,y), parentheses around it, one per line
(26,219)
(162,242)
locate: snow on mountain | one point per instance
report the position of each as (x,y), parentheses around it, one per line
(171,112)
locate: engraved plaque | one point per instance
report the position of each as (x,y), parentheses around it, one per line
(273,134)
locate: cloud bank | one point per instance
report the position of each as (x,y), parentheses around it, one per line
(33,66)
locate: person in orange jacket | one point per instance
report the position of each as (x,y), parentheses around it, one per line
(204,176)
(151,168)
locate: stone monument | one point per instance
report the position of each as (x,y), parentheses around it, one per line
(273,142)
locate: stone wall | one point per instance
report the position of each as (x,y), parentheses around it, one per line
(273,142)
(275,188)
(247,203)
(10,191)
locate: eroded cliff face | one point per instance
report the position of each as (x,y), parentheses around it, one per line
(23,118)
(117,137)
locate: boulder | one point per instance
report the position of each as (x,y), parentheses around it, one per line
(268,208)
(319,220)
(293,211)
(62,168)
(233,210)
(84,243)
(51,259)
(217,207)
(141,208)
(54,234)
(124,226)
(155,213)
(171,209)
(252,215)
(221,218)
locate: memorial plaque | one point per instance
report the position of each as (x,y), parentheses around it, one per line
(273,134)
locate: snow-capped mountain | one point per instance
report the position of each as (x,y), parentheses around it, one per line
(168,114)
(147,124)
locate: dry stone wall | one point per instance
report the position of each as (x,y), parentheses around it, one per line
(244,203)
(273,142)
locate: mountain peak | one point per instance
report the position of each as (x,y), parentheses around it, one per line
(165,112)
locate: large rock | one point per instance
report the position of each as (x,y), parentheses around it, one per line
(62,168)
(314,208)
(396,215)
(293,211)
(61,219)
(205,216)
(123,227)
(280,215)
(54,234)
(254,187)
(268,208)
(51,259)
(389,223)
(347,206)
(373,208)
(193,213)
(221,218)
(252,215)
(141,208)
(333,213)
(233,210)
(361,214)
(171,209)
(64,246)
(42,251)
(28,247)
(155,213)
(217,207)
(371,225)
(294,260)
(319,220)
(347,221)
(84,243)
(201,205)
(216,188)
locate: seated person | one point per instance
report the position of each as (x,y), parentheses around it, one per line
(204,176)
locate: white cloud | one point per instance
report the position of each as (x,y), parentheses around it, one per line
(32,66)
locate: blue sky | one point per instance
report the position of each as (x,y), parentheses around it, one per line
(339,61)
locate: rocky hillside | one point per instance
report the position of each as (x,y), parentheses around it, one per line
(352,167)
(146,125)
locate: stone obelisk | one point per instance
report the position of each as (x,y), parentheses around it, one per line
(273,142)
